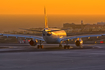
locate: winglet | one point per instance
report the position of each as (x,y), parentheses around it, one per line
(46,25)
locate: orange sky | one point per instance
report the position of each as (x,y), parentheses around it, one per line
(53,6)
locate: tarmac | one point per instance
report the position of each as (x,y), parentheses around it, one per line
(25,57)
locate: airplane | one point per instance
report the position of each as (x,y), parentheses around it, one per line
(53,36)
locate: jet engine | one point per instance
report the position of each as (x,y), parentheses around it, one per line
(78,42)
(33,43)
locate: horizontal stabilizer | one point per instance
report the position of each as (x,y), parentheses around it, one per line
(30,30)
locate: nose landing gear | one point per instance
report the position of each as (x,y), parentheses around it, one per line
(40,46)
(66,47)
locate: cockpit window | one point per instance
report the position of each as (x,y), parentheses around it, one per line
(49,33)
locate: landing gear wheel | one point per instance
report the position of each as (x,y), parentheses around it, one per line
(60,45)
(66,47)
(40,46)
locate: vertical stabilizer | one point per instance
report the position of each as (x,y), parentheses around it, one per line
(46,25)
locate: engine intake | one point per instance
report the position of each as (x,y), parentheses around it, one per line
(78,42)
(33,43)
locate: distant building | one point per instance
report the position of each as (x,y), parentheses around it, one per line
(94,27)
(73,26)
(100,23)
(100,26)
(87,24)
(81,22)
(82,25)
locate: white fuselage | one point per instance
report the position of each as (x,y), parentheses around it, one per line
(53,37)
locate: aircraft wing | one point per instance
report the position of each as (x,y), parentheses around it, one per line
(24,36)
(81,36)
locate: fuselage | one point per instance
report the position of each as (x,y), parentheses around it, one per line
(53,36)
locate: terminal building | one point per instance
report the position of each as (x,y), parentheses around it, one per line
(73,25)
(100,23)
(100,26)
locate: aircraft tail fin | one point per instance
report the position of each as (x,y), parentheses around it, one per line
(46,25)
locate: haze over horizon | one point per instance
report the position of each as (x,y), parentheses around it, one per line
(15,14)
(14,22)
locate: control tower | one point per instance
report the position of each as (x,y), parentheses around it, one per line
(82,26)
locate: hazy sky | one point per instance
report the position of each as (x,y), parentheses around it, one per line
(53,6)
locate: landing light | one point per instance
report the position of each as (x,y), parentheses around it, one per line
(36,40)
(88,37)
(68,39)
(77,38)
(81,42)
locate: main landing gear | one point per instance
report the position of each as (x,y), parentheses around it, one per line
(40,46)
(60,45)
(67,46)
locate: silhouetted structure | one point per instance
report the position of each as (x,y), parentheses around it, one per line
(74,26)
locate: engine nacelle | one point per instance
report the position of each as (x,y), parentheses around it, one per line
(79,42)
(33,43)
